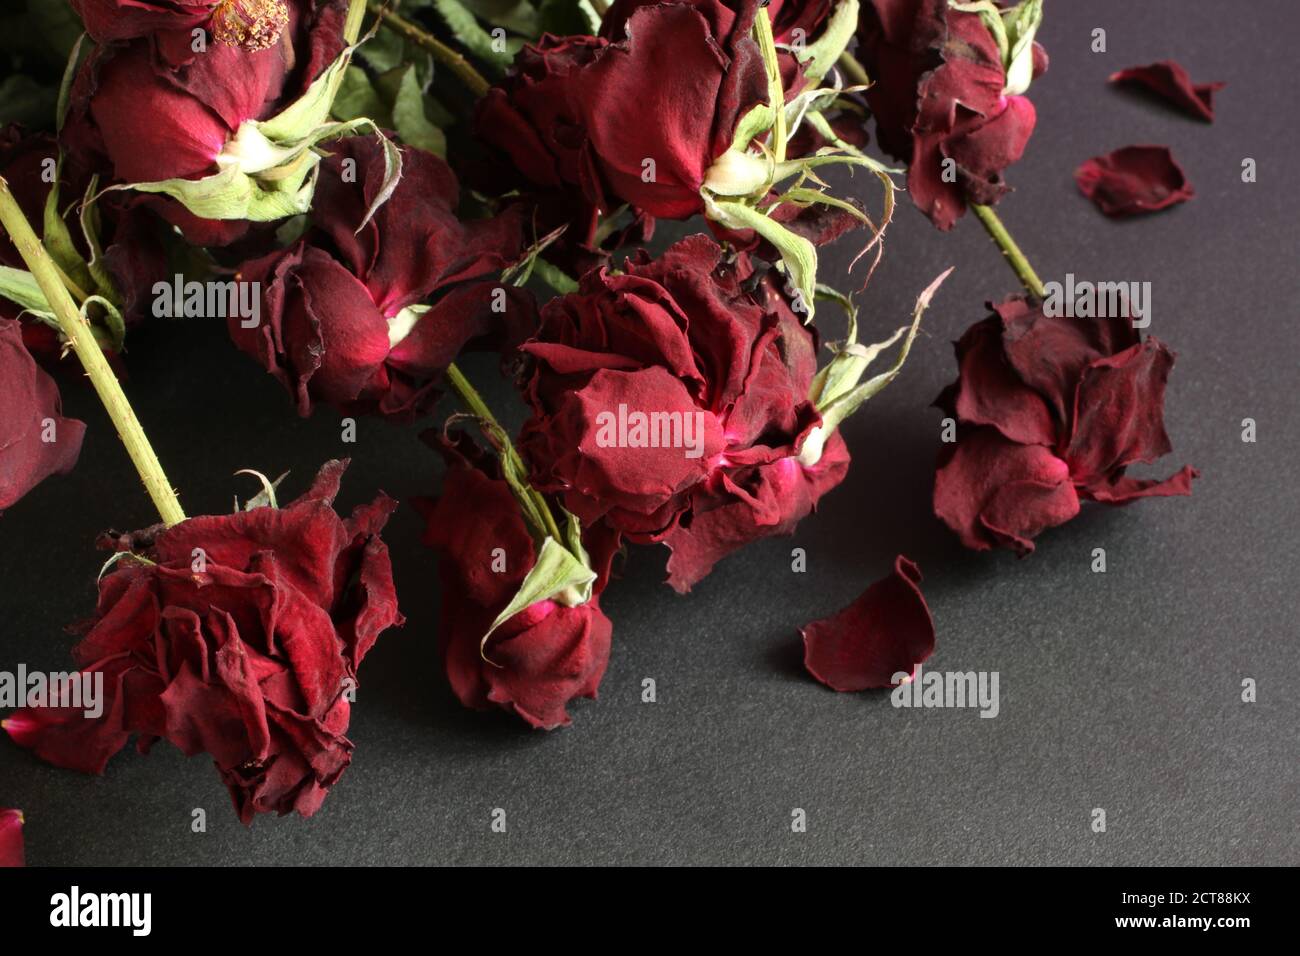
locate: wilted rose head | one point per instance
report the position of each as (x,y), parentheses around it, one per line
(543,657)
(1050,411)
(948,98)
(155,108)
(671,402)
(687,72)
(36,441)
(238,636)
(346,316)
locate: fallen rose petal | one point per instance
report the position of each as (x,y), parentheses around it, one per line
(888,630)
(1134,180)
(1168,80)
(11,838)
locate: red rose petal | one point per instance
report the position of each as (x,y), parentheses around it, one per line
(888,630)
(1119,412)
(11,838)
(1134,180)
(1170,81)
(994,492)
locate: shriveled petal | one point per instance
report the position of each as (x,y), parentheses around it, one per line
(1134,180)
(1168,80)
(996,493)
(888,630)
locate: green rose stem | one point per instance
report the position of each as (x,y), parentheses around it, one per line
(1015,258)
(441,51)
(471,399)
(80,335)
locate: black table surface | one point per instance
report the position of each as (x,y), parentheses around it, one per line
(1119,690)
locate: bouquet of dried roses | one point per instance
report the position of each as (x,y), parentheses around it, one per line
(365,191)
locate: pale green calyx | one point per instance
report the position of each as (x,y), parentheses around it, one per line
(1013,29)
(837,390)
(401,325)
(267,170)
(738,173)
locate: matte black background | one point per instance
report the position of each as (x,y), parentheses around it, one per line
(1119,690)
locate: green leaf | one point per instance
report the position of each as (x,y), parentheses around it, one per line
(517,16)
(410,120)
(20,287)
(556,574)
(358,98)
(471,35)
(567,18)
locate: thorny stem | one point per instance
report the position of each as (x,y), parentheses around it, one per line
(77,330)
(1015,258)
(472,78)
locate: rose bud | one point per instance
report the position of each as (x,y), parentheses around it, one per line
(209,130)
(251,24)
(345,317)
(530,657)
(129,250)
(238,636)
(36,441)
(887,631)
(1050,411)
(948,95)
(11,838)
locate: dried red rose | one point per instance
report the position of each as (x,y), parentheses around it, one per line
(238,636)
(153,109)
(1170,81)
(540,659)
(36,441)
(342,318)
(1134,180)
(11,838)
(563,116)
(1050,411)
(888,630)
(674,337)
(946,100)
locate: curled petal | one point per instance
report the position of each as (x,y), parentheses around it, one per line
(888,630)
(1134,180)
(1168,80)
